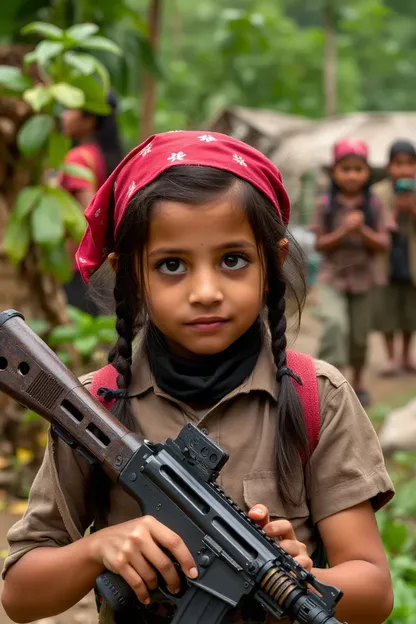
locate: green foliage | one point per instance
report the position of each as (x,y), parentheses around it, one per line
(85,333)
(396,524)
(45,215)
(33,134)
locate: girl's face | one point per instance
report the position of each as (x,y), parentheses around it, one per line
(77,124)
(351,174)
(203,275)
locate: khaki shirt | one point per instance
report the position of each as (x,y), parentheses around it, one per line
(384,191)
(351,266)
(347,465)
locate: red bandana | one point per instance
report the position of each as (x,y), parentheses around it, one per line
(147,161)
(350,147)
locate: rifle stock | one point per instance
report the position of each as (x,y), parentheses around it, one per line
(173,481)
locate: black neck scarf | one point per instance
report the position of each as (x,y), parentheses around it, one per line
(207,379)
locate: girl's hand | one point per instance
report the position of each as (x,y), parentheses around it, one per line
(283,531)
(353,220)
(133,550)
(405,202)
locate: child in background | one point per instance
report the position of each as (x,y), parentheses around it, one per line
(97,147)
(396,302)
(194,226)
(350,233)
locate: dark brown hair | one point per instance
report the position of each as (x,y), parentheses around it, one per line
(196,185)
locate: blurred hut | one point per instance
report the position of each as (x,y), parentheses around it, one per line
(263,129)
(305,154)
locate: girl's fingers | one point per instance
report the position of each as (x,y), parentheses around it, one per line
(280,528)
(291,547)
(136,582)
(305,562)
(260,514)
(175,545)
(163,564)
(146,571)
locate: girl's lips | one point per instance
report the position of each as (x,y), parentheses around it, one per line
(207,325)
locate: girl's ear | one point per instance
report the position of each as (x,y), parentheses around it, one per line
(113,260)
(283,250)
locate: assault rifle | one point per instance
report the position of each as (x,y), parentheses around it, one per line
(176,483)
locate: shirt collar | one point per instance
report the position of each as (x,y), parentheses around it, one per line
(262,378)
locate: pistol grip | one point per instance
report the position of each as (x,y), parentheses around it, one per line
(117,592)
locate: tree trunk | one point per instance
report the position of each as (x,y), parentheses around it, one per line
(149,97)
(330,62)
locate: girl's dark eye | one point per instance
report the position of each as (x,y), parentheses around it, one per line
(234,262)
(173,266)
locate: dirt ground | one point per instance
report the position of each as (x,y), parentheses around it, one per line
(382,391)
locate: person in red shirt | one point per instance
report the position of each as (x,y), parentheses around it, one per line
(97,146)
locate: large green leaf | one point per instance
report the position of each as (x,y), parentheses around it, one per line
(16,239)
(58,146)
(78,171)
(84,63)
(94,91)
(44,29)
(38,97)
(13,79)
(79,32)
(45,51)
(57,262)
(26,199)
(101,43)
(67,95)
(71,210)
(47,222)
(33,134)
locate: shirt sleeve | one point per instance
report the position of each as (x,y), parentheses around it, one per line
(53,518)
(317,225)
(84,158)
(347,466)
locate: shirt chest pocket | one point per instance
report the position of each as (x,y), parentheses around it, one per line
(261,487)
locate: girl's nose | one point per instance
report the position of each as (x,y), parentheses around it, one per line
(205,289)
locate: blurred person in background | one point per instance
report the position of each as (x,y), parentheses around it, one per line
(396,303)
(97,146)
(350,232)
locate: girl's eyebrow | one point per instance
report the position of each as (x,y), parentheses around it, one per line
(171,251)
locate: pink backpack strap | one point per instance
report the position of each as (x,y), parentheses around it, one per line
(301,364)
(304,366)
(104,378)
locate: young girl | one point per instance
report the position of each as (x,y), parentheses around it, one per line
(350,232)
(194,227)
(97,146)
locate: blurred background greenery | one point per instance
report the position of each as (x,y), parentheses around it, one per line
(258,53)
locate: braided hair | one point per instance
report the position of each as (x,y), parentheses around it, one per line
(195,186)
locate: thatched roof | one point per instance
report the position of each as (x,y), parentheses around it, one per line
(263,129)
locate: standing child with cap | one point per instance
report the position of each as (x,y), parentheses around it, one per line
(396,303)
(194,228)
(350,233)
